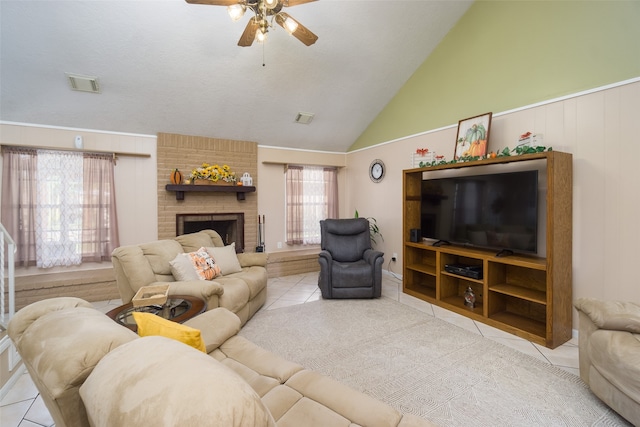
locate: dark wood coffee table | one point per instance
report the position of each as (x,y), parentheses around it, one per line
(180,308)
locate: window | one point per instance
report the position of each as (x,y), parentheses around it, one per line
(59,206)
(311,195)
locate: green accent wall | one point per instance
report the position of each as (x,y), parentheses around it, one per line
(507,54)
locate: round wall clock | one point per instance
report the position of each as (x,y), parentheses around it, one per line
(376,170)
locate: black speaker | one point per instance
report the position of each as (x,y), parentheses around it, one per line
(416,235)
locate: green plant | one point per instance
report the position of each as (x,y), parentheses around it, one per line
(505,152)
(374,231)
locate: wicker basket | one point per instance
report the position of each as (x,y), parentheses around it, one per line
(151,295)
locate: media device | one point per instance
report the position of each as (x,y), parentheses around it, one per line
(472,271)
(416,235)
(494,211)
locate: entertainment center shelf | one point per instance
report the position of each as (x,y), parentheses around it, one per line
(524,295)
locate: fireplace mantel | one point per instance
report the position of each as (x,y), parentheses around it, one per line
(240,190)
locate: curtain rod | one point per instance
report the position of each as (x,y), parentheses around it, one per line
(79,150)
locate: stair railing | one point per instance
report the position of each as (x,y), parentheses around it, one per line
(7,278)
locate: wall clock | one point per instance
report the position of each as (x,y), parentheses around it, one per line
(376,170)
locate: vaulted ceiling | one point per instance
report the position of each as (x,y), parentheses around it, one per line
(170,66)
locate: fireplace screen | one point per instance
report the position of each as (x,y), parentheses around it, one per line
(230,226)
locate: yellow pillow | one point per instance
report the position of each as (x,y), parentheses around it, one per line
(150,324)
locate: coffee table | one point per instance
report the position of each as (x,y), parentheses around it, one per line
(179,308)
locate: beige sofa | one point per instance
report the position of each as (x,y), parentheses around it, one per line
(91,371)
(243,292)
(609,353)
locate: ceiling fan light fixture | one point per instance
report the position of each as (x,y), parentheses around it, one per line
(290,24)
(270,4)
(261,36)
(236,11)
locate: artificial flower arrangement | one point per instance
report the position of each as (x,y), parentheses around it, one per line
(213,173)
(505,152)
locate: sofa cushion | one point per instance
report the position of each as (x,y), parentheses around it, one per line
(151,325)
(155,381)
(359,408)
(254,277)
(616,355)
(193,241)
(159,254)
(236,292)
(226,258)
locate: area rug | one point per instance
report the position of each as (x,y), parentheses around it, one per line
(425,366)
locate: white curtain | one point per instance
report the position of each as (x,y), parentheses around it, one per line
(59,208)
(315,204)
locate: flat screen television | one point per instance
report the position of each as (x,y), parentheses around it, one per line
(493,211)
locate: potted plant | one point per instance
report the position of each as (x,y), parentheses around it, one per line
(374,231)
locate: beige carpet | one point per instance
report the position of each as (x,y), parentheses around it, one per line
(425,366)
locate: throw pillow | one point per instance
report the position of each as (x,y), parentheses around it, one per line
(150,324)
(205,265)
(226,258)
(198,265)
(182,268)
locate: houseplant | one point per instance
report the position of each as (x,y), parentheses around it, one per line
(374,231)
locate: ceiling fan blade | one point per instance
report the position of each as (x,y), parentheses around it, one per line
(302,33)
(214,2)
(249,34)
(290,3)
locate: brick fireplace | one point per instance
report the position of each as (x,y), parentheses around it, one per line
(209,209)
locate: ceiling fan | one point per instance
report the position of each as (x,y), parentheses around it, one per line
(266,11)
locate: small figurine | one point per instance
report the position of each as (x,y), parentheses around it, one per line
(469,298)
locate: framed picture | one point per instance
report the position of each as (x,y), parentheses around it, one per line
(473,135)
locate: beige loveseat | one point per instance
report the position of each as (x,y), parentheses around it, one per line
(91,371)
(242,292)
(609,353)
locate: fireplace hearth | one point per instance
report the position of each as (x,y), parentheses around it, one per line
(230,226)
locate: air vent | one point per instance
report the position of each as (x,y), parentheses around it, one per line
(83,83)
(304,118)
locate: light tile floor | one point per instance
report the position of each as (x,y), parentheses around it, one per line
(23,407)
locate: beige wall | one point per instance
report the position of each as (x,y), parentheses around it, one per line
(598,128)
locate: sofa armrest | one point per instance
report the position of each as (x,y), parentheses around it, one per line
(370,256)
(249,259)
(611,315)
(209,291)
(25,317)
(216,326)
(326,256)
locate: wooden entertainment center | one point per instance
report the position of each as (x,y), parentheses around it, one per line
(527,296)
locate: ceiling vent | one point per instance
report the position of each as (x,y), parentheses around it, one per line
(304,118)
(83,83)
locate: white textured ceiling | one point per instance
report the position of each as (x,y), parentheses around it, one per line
(170,66)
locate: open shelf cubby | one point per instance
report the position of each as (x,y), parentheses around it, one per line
(524,295)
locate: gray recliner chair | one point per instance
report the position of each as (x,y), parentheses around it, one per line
(349,267)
